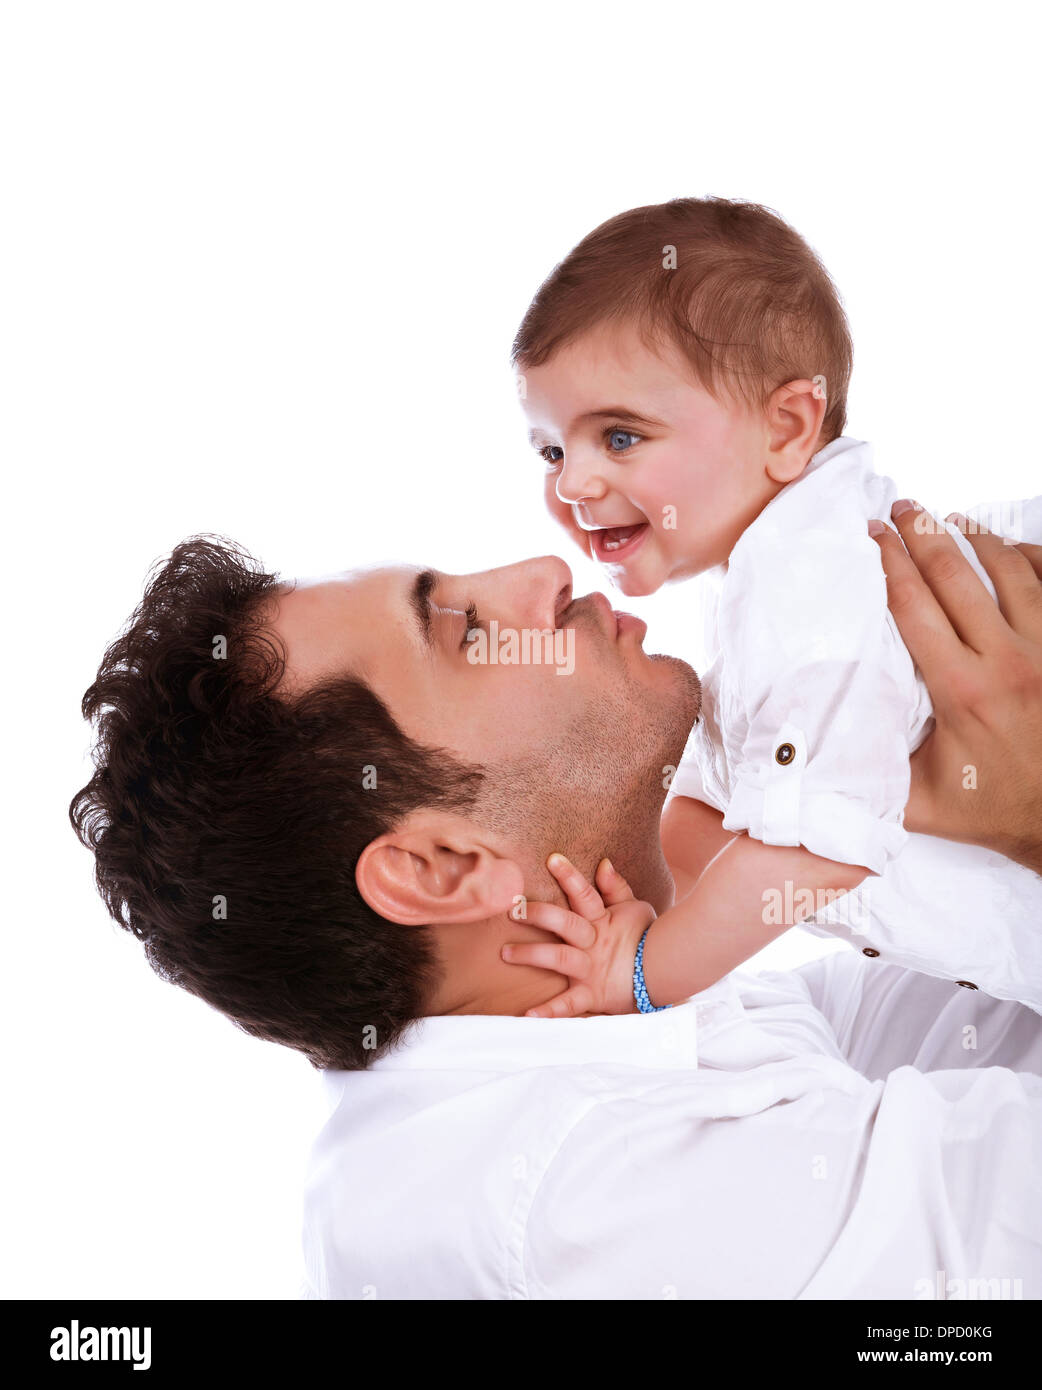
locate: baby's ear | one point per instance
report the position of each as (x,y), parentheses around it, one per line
(794,414)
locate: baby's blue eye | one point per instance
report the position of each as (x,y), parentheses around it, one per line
(552,453)
(621,440)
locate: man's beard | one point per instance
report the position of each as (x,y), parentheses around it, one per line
(600,789)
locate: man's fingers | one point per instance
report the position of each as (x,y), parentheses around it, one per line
(613,887)
(570,1004)
(569,926)
(549,955)
(1015,574)
(961,595)
(921,620)
(583,898)
(1033,555)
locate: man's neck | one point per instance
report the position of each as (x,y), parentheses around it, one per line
(475,978)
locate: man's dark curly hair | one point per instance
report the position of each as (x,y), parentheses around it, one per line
(227,818)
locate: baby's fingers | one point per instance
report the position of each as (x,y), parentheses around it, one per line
(583,898)
(549,955)
(613,887)
(569,926)
(570,1004)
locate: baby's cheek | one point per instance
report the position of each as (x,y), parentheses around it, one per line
(563,514)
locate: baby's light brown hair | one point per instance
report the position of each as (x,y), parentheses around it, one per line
(740,293)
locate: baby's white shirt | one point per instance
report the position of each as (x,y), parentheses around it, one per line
(811,706)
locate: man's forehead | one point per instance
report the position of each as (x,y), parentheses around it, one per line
(327,622)
(358,574)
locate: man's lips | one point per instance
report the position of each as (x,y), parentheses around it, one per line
(629,622)
(614,543)
(616,623)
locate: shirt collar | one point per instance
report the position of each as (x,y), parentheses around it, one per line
(860,456)
(497,1043)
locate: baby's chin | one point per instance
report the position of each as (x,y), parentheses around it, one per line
(643,573)
(635,582)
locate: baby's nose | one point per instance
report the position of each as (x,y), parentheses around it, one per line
(576,482)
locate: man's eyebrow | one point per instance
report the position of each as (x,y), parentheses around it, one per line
(611,412)
(420,601)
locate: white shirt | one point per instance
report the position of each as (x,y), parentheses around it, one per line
(835,1137)
(811,707)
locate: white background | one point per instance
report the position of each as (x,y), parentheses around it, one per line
(260,269)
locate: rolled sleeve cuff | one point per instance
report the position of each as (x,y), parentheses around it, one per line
(773,804)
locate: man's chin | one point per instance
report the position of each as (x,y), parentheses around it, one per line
(687,688)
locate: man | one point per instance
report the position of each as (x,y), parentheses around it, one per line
(318,815)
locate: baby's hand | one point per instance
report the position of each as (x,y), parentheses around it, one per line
(599,966)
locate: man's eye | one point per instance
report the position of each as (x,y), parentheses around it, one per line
(552,454)
(468,627)
(620,440)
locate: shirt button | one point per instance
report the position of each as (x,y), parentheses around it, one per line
(966,984)
(869,951)
(784,753)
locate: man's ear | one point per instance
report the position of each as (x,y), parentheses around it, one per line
(436,873)
(794,415)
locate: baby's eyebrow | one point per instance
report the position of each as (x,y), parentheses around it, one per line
(536,436)
(615,412)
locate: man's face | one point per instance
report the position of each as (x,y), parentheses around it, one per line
(587,738)
(651,475)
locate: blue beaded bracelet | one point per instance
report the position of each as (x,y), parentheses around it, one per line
(640,989)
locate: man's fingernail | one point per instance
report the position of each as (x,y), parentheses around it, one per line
(902,505)
(556,861)
(506,952)
(876,528)
(609,865)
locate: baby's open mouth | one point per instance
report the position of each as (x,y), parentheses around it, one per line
(616,542)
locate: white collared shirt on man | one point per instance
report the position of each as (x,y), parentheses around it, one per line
(849,1130)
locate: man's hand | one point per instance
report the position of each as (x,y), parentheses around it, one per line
(978,777)
(600,934)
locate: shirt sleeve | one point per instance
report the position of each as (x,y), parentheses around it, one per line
(825,688)
(1017,521)
(884,1017)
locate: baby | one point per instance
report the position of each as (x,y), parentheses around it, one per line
(684,374)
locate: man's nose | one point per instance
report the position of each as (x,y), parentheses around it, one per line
(533,593)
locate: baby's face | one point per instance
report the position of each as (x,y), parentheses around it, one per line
(649,474)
